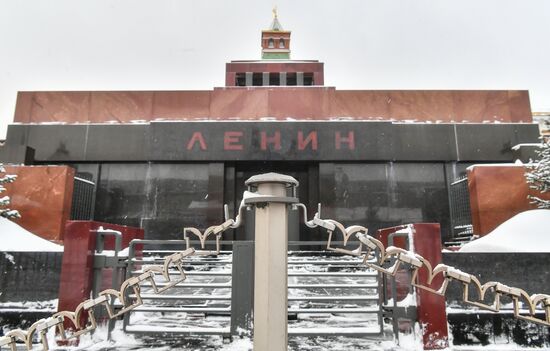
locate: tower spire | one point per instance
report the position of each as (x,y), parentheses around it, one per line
(275,40)
(275,24)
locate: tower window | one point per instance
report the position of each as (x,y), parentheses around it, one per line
(281,43)
(308,78)
(274,78)
(257,79)
(271,43)
(240,79)
(291,78)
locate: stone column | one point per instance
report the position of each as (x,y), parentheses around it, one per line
(300,78)
(248,79)
(270,270)
(282,78)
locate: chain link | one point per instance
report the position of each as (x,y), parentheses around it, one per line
(390,259)
(129,294)
(129,297)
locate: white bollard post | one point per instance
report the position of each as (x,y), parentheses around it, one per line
(270,270)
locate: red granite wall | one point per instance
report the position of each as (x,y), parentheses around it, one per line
(301,103)
(431,314)
(76,281)
(315,67)
(275,67)
(43,197)
(497,193)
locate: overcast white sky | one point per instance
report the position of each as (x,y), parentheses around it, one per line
(183,44)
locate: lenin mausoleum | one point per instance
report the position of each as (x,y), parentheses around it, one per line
(437,164)
(162,160)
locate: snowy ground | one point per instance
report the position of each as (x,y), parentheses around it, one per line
(125,342)
(14,238)
(527,231)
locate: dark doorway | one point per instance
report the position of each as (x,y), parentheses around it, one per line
(307,176)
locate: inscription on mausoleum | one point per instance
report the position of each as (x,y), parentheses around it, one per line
(235,140)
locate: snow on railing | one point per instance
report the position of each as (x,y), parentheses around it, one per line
(128,296)
(390,259)
(107,298)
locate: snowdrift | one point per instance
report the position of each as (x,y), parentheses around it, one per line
(18,239)
(528,231)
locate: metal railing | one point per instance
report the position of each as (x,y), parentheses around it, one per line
(82,207)
(206,292)
(324,286)
(369,257)
(70,325)
(461,215)
(219,292)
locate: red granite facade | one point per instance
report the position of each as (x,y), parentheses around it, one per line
(279,103)
(78,259)
(43,197)
(497,193)
(312,66)
(426,241)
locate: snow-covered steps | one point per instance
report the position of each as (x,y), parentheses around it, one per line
(166,297)
(182,309)
(334,298)
(153,329)
(354,263)
(228,297)
(349,331)
(333,274)
(335,286)
(148,329)
(210,285)
(290,273)
(194,273)
(375,309)
(328,295)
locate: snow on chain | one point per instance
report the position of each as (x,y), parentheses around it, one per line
(388,261)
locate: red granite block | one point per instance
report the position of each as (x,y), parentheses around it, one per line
(78,260)
(250,103)
(431,308)
(181,105)
(497,193)
(43,197)
(63,106)
(121,106)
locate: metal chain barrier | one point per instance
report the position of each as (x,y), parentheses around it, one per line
(128,296)
(216,230)
(106,298)
(390,259)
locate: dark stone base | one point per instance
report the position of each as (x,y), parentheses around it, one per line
(489,328)
(10,320)
(29,276)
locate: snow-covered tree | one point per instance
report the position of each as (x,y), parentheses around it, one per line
(539,176)
(5,201)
